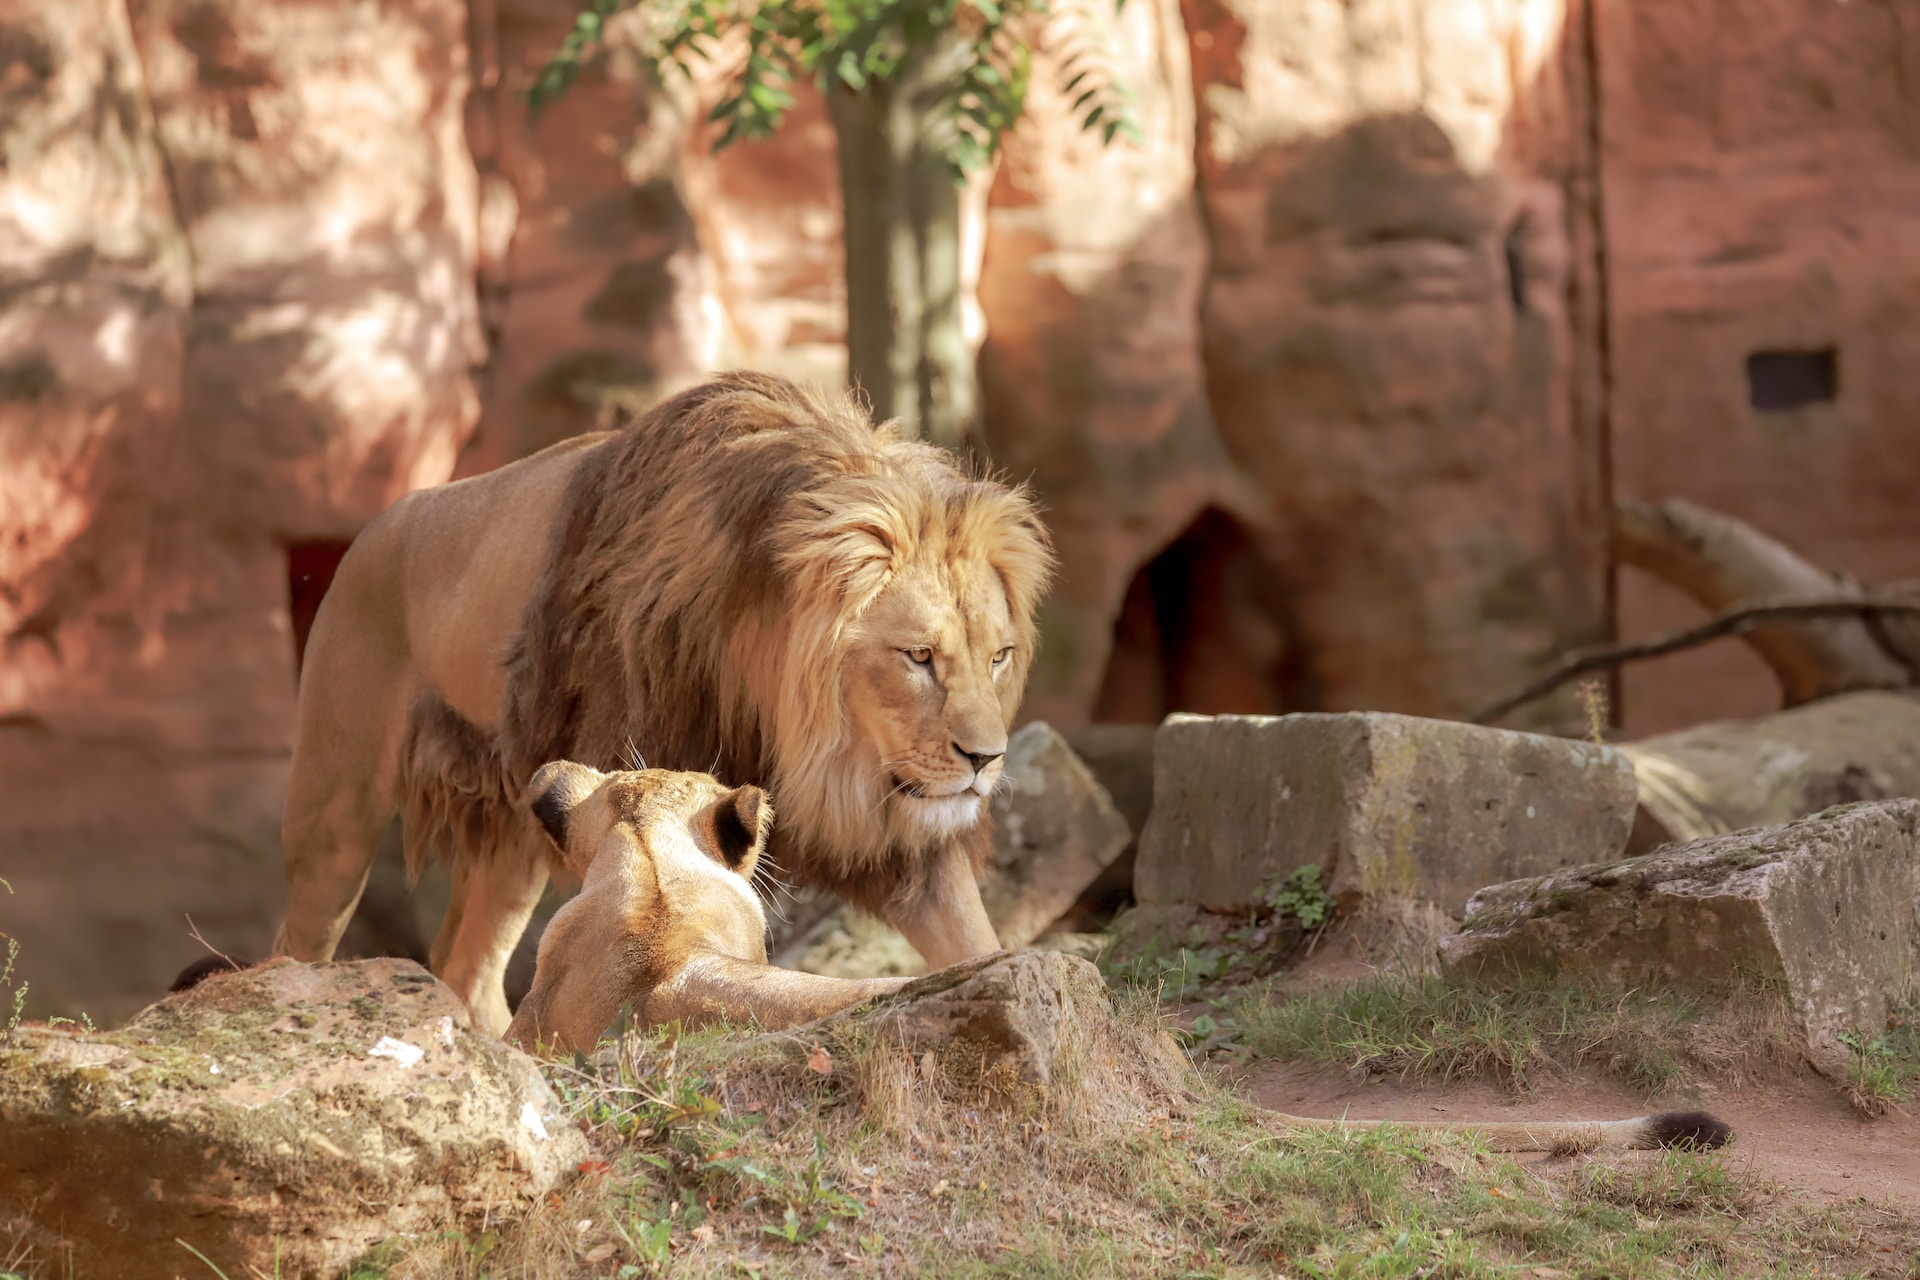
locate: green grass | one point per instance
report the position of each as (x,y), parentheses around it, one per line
(725,1154)
(1884,1070)
(1431,1027)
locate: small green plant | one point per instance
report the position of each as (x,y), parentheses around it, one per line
(818,1203)
(1299,896)
(650,1241)
(1883,1070)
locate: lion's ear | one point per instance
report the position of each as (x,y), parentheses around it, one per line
(556,788)
(742,820)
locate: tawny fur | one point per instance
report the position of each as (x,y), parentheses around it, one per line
(753,580)
(666,922)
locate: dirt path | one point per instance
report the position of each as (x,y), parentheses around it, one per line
(1800,1133)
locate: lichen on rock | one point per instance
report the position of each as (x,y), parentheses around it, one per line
(286,1116)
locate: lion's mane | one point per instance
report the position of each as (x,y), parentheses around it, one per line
(709,562)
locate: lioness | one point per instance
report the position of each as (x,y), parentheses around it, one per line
(753,580)
(666,920)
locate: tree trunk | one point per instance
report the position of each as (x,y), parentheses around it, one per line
(1721,562)
(906,345)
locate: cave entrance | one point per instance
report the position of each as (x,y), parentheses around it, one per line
(310,570)
(1200,630)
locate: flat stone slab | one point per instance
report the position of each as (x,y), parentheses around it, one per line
(1055,830)
(1824,906)
(280,1120)
(1382,804)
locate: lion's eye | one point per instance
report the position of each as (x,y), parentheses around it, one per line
(1000,658)
(920,656)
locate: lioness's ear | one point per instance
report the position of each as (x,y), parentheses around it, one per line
(741,821)
(555,789)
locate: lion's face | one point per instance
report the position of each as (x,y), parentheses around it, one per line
(931,681)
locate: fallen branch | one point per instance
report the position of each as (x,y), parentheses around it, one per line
(1722,563)
(1733,622)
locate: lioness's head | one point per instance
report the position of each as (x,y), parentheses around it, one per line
(665,859)
(910,655)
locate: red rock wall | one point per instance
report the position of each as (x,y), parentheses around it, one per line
(1091,378)
(236,244)
(1762,189)
(1388,339)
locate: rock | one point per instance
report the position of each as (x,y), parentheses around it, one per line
(1692,111)
(1091,379)
(596,288)
(1396,336)
(1055,830)
(1030,1016)
(1382,804)
(278,1120)
(1121,759)
(1825,906)
(238,263)
(1716,778)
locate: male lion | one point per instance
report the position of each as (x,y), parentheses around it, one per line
(666,921)
(753,580)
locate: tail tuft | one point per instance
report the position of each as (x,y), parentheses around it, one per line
(1687,1129)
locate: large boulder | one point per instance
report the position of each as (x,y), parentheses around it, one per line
(278,1121)
(1382,804)
(1825,906)
(1091,380)
(1055,830)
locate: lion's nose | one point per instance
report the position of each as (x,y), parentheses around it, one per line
(979,759)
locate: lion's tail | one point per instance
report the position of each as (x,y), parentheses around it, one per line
(1686,1129)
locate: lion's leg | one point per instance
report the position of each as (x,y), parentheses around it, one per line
(946,922)
(492,902)
(339,802)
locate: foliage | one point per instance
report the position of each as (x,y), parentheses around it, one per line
(857,43)
(1884,1070)
(1436,1027)
(1300,895)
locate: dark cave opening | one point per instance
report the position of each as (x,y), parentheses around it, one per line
(1200,630)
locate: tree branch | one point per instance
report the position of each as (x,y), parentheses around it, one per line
(1731,623)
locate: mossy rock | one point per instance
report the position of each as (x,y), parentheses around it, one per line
(286,1116)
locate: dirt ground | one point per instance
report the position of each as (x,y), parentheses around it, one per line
(1800,1133)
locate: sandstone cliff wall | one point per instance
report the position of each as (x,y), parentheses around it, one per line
(237,262)
(1323,383)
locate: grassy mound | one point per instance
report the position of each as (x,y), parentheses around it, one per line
(729,1153)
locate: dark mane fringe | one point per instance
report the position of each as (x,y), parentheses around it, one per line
(665,572)
(456,797)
